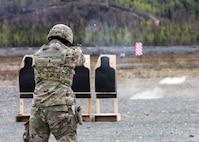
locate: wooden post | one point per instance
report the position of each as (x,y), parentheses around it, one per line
(98,106)
(21,107)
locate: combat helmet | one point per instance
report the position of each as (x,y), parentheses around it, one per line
(62,31)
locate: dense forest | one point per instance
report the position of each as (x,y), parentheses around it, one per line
(101,22)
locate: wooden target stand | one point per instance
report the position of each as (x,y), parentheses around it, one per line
(26,86)
(105,87)
(27,80)
(82,88)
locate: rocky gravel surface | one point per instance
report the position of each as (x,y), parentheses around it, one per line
(152,110)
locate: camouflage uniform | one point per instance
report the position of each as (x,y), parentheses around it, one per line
(53,97)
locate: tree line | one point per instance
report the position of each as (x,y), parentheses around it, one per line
(179,24)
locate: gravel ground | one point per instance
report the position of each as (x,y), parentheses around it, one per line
(152,110)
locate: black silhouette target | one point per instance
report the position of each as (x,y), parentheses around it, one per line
(26,76)
(105,79)
(81,82)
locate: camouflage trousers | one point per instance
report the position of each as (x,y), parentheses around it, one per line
(58,120)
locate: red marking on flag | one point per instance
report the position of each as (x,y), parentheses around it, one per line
(138,49)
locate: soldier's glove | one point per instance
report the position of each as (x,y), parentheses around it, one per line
(78,114)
